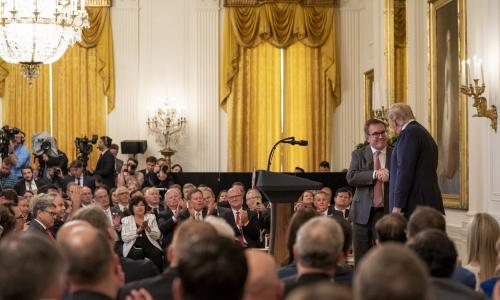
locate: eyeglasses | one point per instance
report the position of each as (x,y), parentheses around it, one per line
(377,134)
(53,214)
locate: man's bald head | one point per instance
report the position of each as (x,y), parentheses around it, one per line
(87,250)
(184,234)
(262,280)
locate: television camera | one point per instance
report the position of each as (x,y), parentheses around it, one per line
(84,148)
(7,135)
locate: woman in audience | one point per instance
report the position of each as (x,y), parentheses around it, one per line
(305,200)
(221,199)
(140,233)
(482,234)
(299,218)
(176,168)
(488,285)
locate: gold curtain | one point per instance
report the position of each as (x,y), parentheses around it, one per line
(82,80)
(254,124)
(281,25)
(23,106)
(308,107)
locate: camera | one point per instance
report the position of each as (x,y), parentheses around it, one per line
(84,148)
(43,143)
(7,134)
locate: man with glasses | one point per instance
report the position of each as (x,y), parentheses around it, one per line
(45,213)
(369,173)
(245,223)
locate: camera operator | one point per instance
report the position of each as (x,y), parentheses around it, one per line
(129,173)
(105,168)
(22,154)
(53,173)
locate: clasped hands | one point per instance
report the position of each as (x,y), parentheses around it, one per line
(382,174)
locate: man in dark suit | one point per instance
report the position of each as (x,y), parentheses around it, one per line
(440,255)
(77,176)
(114,149)
(150,177)
(211,203)
(167,219)
(28,183)
(245,223)
(44,212)
(342,202)
(371,179)
(153,199)
(160,287)
(105,167)
(413,164)
(318,246)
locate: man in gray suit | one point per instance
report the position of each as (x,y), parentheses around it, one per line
(369,173)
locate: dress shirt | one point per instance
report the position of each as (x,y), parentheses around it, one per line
(406,124)
(79,180)
(383,158)
(31,186)
(122,207)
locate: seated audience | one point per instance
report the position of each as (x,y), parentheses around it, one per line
(7,221)
(299,218)
(324,167)
(245,223)
(211,203)
(221,199)
(221,226)
(391,272)
(7,178)
(211,268)
(439,254)
(262,282)
(318,248)
(482,235)
(176,168)
(305,200)
(133,269)
(160,287)
(391,228)
(140,234)
(425,217)
(78,176)
(167,219)
(342,202)
(94,270)
(196,206)
(150,176)
(32,267)
(344,272)
(28,182)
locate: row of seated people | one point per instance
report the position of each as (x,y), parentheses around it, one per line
(412,260)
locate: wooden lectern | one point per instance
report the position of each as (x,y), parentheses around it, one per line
(281,191)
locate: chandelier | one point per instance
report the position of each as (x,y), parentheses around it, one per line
(167,123)
(34,32)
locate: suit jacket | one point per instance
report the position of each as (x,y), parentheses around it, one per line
(413,171)
(20,186)
(160,286)
(88,181)
(167,226)
(447,288)
(251,232)
(38,228)
(360,175)
(137,269)
(105,169)
(294,281)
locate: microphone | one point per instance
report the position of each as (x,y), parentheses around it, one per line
(292,141)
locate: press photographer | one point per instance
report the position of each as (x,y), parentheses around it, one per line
(45,148)
(21,152)
(7,138)
(84,148)
(54,173)
(129,173)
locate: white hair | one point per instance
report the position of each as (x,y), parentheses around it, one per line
(221,226)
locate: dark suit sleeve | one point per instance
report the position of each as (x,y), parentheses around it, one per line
(166,223)
(407,156)
(356,176)
(251,231)
(19,187)
(107,166)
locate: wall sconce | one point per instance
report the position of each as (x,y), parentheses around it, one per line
(381,114)
(476,90)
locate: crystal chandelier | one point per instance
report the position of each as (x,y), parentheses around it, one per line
(34,32)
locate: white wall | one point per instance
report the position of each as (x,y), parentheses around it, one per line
(169,49)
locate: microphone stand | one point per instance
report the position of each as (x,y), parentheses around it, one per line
(269,160)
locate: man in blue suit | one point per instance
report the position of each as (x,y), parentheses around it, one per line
(413,180)
(369,173)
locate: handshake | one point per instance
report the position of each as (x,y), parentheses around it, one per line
(382,175)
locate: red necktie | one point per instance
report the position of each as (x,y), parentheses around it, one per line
(49,233)
(377,189)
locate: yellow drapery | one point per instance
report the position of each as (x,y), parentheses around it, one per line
(282,25)
(82,79)
(23,106)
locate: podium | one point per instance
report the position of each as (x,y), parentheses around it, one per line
(281,190)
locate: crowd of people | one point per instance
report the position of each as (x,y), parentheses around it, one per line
(116,232)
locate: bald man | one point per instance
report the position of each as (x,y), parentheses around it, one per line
(262,280)
(94,269)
